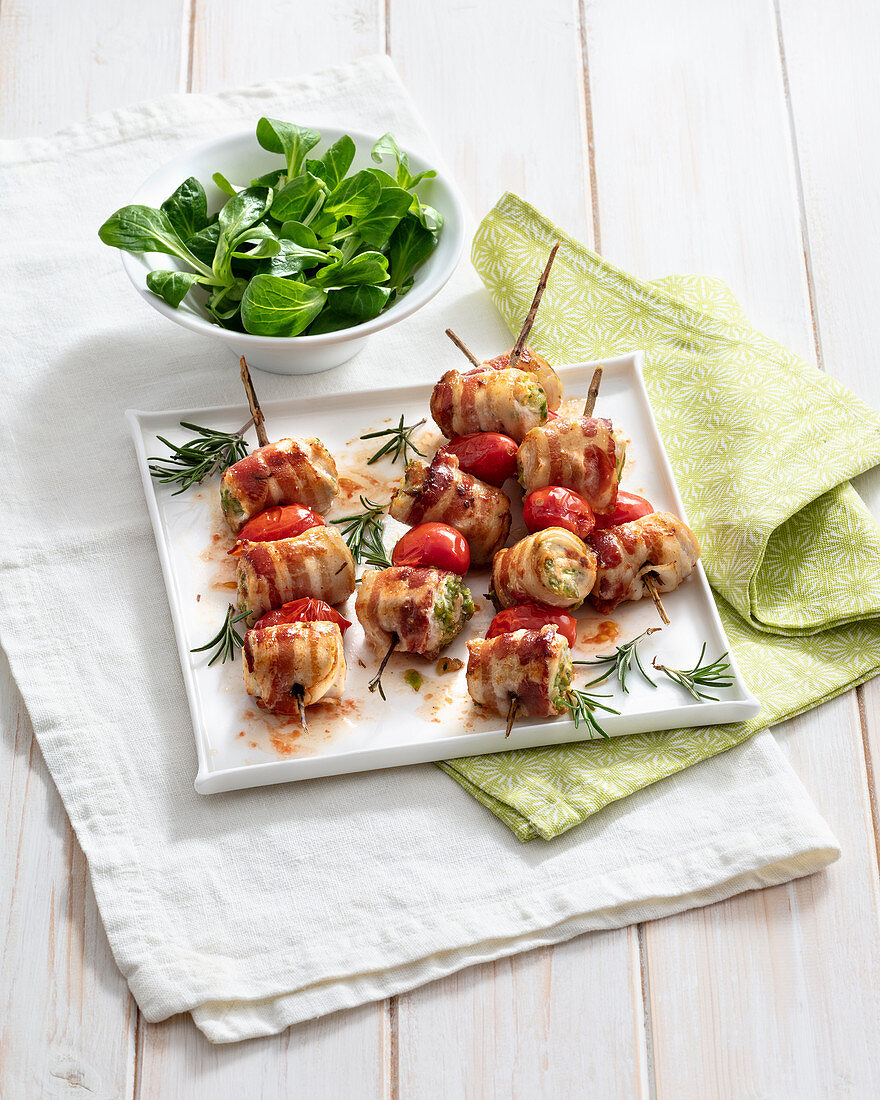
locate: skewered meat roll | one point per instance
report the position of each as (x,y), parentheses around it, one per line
(308,656)
(582,453)
(507,401)
(659,545)
(552,566)
(532,363)
(443,493)
(533,665)
(291,471)
(316,563)
(425,607)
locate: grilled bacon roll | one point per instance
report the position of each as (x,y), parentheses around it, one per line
(280,658)
(659,545)
(443,493)
(291,471)
(425,607)
(582,453)
(507,401)
(533,665)
(316,563)
(552,566)
(532,363)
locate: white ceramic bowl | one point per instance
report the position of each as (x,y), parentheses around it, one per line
(239,157)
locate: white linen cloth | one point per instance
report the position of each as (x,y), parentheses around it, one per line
(261,908)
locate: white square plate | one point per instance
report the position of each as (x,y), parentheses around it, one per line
(240,746)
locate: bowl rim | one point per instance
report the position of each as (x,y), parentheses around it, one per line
(134,265)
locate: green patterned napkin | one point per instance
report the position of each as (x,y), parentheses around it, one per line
(762,445)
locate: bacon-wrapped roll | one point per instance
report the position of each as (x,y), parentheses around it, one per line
(580,453)
(659,545)
(291,471)
(507,401)
(533,665)
(443,493)
(307,656)
(532,363)
(316,563)
(552,566)
(425,607)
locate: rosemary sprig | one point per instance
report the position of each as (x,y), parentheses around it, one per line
(582,706)
(622,659)
(399,443)
(227,639)
(191,462)
(693,680)
(363,534)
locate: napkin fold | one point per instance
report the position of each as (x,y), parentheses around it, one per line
(259,908)
(762,445)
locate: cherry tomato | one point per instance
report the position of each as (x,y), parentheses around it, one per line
(629,506)
(558,507)
(532,616)
(305,610)
(277,523)
(489,456)
(435,544)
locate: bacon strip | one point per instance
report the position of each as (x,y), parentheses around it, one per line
(304,655)
(508,401)
(442,493)
(533,665)
(404,600)
(577,453)
(532,363)
(316,563)
(659,545)
(291,471)
(552,566)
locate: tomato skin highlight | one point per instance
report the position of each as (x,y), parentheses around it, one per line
(554,506)
(435,544)
(277,523)
(532,616)
(306,610)
(489,456)
(629,506)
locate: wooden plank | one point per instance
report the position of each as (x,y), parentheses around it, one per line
(67,1020)
(61,62)
(565,1020)
(694,172)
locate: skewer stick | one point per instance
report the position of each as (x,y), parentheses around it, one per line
(256,411)
(533,309)
(593,392)
(658,603)
(511,714)
(299,694)
(463,348)
(376,682)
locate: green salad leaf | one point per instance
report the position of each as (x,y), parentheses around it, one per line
(310,246)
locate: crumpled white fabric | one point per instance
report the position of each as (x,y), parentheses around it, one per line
(258,909)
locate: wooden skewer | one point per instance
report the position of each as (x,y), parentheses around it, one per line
(658,603)
(463,348)
(256,411)
(299,694)
(533,309)
(511,714)
(593,392)
(376,682)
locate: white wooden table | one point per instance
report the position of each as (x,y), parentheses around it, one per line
(737,139)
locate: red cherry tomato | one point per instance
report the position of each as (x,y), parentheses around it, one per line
(532,616)
(277,523)
(435,544)
(489,456)
(305,610)
(629,506)
(558,507)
